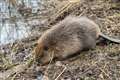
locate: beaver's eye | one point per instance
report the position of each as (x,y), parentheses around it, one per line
(45,48)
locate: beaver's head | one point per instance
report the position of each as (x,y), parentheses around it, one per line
(43,53)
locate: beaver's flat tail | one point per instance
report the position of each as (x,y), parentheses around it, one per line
(109,38)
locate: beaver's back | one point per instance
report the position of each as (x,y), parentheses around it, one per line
(72,26)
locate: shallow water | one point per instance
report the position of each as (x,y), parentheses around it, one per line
(11,31)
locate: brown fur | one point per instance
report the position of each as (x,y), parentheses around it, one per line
(66,38)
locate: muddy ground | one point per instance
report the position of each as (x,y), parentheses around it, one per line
(102,63)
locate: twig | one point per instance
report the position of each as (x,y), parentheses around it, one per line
(105,73)
(49,62)
(61,73)
(13,78)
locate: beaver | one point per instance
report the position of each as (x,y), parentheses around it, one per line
(69,36)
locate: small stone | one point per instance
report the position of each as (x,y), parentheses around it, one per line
(45,78)
(58,63)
